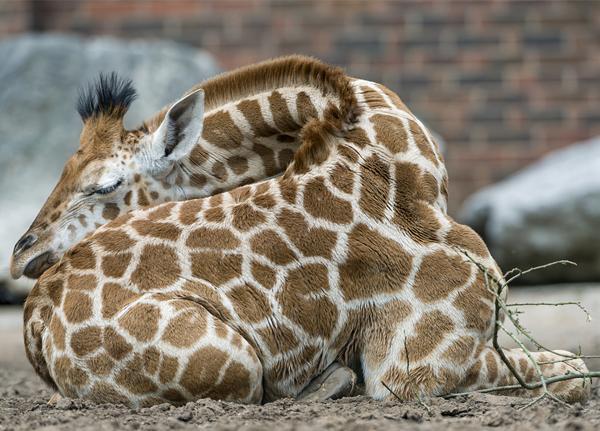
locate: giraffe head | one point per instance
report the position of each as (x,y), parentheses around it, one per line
(114,171)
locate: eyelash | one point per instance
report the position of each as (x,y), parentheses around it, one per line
(109,189)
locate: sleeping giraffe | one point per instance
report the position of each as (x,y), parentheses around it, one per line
(251,293)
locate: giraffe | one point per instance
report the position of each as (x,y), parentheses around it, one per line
(235,129)
(247,295)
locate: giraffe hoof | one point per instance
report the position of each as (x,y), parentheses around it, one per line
(54,399)
(335,382)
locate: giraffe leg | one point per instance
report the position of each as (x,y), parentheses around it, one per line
(160,349)
(489,371)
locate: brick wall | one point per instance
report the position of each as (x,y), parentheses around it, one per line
(504,82)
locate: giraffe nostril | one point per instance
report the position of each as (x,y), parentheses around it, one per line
(24,243)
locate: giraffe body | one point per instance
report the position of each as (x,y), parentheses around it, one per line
(249,294)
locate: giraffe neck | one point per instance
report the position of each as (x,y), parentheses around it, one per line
(250,139)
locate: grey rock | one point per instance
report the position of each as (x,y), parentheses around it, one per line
(546,212)
(39,127)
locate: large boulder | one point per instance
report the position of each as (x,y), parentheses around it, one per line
(547,212)
(39,126)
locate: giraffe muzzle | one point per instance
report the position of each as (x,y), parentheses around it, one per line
(30,257)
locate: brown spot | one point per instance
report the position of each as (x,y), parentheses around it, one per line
(412,214)
(86,340)
(115,266)
(311,242)
(168,369)
(212,238)
(114,241)
(166,231)
(238,164)
(288,190)
(375,265)
(429,331)
(263,274)
(188,211)
(439,275)
(115,298)
(281,113)
(101,364)
(375,187)
(127,198)
(270,245)
(161,212)
(141,321)
(77,307)
(390,132)
(492,366)
(110,211)
(301,303)
(251,111)
(472,374)
(320,202)
(106,393)
(198,155)
(82,282)
(250,304)
(142,198)
(158,267)
(373,98)
(57,330)
(82,256)
(216,268)
(173,396)
(132,378)
(285,156)
(154,195)
(278,338)
(348,153)
(115,344)
(342,178)
(220,130)
(394,98)
(198,180)
(55,291)
(465,238)
(460,350)
(422,142)
(219,171)
(245,217)
(202,370)
(186,328)
(265,200)
(358,137)
(234,385)
(268,158)
(470,301)
(214,215)
(306,109)
(285,138)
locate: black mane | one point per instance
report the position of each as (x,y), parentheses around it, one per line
(109,95)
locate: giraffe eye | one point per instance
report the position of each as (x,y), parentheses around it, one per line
(109,189)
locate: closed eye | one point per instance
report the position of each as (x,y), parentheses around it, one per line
(108,189)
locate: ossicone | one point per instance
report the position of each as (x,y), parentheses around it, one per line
(109,95)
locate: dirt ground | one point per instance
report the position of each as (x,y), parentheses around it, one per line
(23,397)
(23,407)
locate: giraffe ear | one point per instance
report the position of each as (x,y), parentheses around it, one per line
(181,128)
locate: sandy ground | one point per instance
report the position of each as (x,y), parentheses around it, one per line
(23,397)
